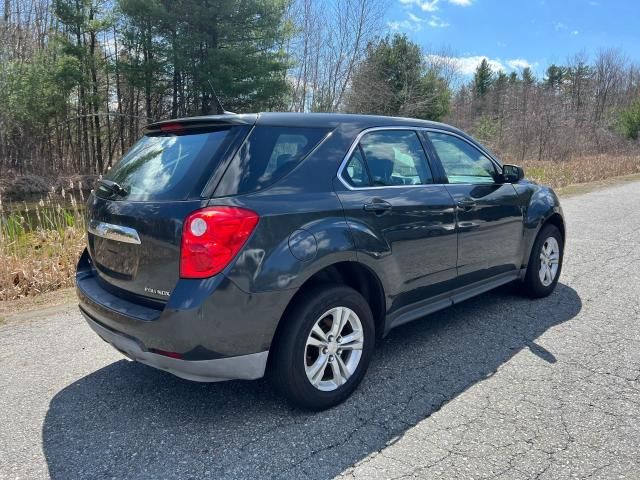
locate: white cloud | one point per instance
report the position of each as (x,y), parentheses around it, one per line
(517,63)
(404,25)
(432,5)
(424,5)
(437,22)
(561,27)
(414,23)
(467,65)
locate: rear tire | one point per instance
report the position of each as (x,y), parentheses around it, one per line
(545,263)
(324,348)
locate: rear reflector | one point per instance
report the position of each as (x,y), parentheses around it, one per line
(212,237)
(166,354)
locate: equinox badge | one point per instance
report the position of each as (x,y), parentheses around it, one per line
(164,293)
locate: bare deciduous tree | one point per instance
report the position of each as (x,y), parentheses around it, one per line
(331,41)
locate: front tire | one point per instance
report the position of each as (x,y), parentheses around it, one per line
(324,348)
(545,263)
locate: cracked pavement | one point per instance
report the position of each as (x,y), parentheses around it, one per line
(498,387)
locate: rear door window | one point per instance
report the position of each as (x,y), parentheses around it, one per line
(169,166)
(267,155)
(355,172)
(393,158)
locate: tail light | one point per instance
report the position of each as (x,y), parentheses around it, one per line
(212,237)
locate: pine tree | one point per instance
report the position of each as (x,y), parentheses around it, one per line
(394,80)
(528,79)
(483,78)
(82,20)
(629,121)
(554,77)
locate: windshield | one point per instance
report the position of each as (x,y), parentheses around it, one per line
(167,166)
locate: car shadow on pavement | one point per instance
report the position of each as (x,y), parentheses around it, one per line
(130,421)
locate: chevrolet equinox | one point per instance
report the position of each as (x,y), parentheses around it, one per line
(283,244)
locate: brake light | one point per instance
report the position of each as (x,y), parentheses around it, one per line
(212,237)
(172,128)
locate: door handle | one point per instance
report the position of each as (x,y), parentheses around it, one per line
(466,205)
(377,206)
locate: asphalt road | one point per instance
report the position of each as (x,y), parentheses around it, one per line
(497,387)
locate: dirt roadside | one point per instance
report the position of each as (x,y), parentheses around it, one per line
(31,308)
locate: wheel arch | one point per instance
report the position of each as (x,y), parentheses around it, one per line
(352,274)
(555,219)
(542,207)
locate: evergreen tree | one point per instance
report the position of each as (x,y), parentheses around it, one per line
(629,120)
(528,79)
(554,77)
(393,80)
(82,21)
(142,35)
(191,45)
(483,79)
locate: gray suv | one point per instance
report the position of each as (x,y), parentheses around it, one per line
(281,244)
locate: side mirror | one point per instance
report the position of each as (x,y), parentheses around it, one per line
(512,173)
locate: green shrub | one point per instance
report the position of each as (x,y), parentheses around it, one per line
(629,120)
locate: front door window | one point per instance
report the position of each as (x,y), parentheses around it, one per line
(462,162)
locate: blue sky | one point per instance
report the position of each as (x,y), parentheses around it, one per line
(516,33)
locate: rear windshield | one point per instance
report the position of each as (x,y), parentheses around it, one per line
(268,154)
(169,166)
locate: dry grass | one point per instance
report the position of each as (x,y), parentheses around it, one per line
(39,248)
(559,174)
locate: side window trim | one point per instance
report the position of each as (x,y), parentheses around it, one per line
(432,158)
(357,154)
(356,144)
(365,164)
(439,175)
(496,164)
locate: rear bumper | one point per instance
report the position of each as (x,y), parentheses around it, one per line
(245,367)
(211,329)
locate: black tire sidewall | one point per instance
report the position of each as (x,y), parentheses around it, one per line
(532,281)
(291,375)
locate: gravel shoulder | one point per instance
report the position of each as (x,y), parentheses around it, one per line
(497,387)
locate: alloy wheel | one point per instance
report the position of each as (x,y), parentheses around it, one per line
(549,261)
(333,349)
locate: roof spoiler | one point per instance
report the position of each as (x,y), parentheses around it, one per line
(222,117)
(206,121)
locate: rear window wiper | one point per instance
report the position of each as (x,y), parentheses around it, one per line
(113,187)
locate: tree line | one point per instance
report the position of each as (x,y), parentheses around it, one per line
(80,78)
(580,108)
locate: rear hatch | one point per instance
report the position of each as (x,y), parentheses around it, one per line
(136,213)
